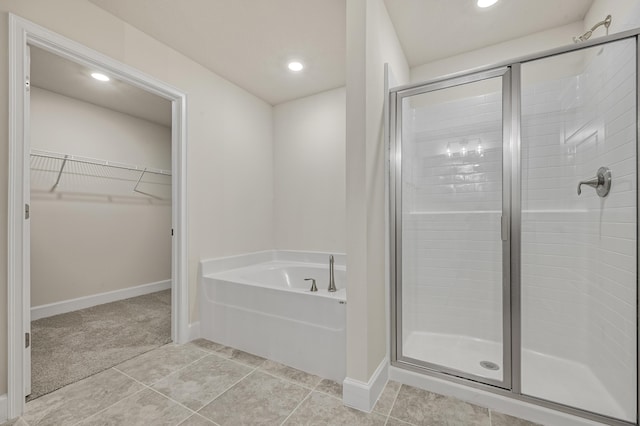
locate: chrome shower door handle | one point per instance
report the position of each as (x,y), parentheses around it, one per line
(601,183)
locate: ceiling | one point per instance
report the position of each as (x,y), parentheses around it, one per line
(435,29)
(53,73)
(249,42)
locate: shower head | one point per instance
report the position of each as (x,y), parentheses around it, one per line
(584,37)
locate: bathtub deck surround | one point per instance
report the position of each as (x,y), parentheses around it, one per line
(261,303)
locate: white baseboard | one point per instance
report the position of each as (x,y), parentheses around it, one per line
(65,306)
(194,331)
(363,396)
(3,408)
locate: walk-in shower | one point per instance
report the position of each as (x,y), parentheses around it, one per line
(507,273)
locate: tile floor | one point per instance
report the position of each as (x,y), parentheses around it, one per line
(204,383)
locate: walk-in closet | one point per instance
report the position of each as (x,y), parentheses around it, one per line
(100,221)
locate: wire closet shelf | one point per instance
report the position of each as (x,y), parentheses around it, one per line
(57,173)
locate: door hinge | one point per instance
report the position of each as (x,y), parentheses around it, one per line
(172,232)
(26,211)
(27,340)
(27,84)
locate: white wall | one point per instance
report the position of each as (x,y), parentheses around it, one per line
(309,173)
(625,15)
(497,53)
(371,41)
(229,192)
(94,235)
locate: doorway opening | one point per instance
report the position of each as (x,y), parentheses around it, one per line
(100,221)
(154,185)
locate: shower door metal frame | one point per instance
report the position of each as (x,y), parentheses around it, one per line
(395,227)
(504,73)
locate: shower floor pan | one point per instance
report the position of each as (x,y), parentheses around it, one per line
(543,376)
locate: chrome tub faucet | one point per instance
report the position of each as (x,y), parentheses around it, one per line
(332,282)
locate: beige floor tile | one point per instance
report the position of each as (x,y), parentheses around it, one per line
(199,383)
(240,356)
(207,345)
(142,409)
(15,422)
(396,422)
(289,373)
(387,398)
(499,419)
(159,363)
(259,399)
(421,407)
(228,352)
(79,400)
(330,387)
(197,420)
(321,409)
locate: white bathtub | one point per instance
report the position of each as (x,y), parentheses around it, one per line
(261,304)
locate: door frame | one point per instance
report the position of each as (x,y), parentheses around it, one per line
(515,227)
(22,34)
(397,97)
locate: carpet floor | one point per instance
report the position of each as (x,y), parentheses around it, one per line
(72,346)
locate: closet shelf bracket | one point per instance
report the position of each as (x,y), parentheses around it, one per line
(64,163)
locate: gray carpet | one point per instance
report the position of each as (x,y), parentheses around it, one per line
(72,346)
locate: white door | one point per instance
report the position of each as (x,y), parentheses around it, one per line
(26,285)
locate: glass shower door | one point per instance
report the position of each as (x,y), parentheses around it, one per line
(578,243)
(453,257)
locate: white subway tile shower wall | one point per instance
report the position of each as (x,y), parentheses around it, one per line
(579,252)
(452,254)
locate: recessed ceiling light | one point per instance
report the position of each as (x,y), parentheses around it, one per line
(295,66)
(99,76)
(486,3)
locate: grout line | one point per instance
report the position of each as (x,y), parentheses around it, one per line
(199,348)
(326,393)
(400,420)
(297,406)
(117,402)
(221,355)
(225,391)
(163,377)
(238,362)
(284,379)
(394,402)
(490,418)
(125,374)
(192,412)
(156,391)
(202,417)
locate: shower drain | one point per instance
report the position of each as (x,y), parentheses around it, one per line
(489,365)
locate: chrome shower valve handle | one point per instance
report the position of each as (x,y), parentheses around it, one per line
(601,183)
